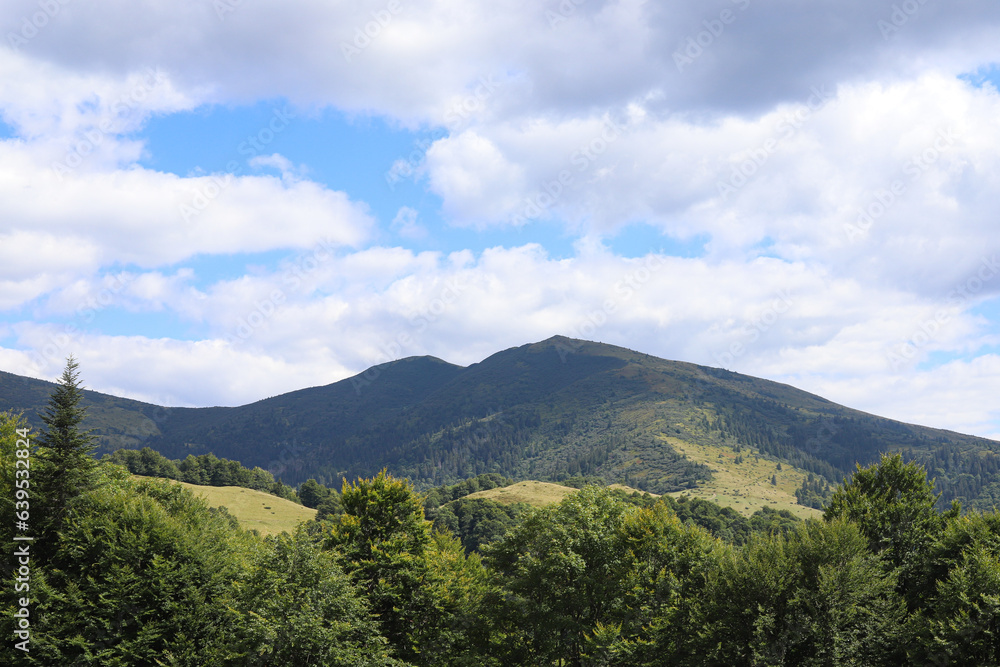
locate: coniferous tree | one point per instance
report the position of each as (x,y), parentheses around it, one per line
(66,465)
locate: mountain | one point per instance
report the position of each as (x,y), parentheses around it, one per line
(549,410)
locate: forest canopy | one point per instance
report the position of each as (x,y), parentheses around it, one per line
(129,571)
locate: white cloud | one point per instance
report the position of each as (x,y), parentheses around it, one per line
(405,224)
(73,225)
(429,51)
(769,318)
(577,113)
(476,182)
(796,178)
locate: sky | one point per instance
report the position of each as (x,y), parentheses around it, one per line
(210,202)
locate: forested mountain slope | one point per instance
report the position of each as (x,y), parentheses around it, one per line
(547,410)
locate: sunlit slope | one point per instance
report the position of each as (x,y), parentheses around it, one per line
(253,509)
(537,494)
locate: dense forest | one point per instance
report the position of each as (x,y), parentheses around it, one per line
(124,572)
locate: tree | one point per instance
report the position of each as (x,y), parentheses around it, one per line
(296,606)
(424,591)
(329,507)
(965,622)
(66,465)
(893,504)
(562,570)
(960,621)
(383,537)
(312,493)
(139,574)
(815,597)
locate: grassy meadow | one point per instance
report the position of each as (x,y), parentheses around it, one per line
(269,514)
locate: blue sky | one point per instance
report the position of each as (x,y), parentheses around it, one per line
(250,202)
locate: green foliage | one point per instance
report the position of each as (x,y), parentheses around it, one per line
(477,522)
(145,573)
(893,505)
(963,625)
(959,594)
(583,580)
(562,574)
(65,467)
(455,587)
(771,521)
(139,575)
(421,587)
(668,563)
(205,470)
(329,507)
(311,493)
(295,606)
(815,492)
(726,523)
(817,597)
(444,494)
(9,426)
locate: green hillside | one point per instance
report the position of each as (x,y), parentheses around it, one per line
(547,411)
(267,514)
(536,494)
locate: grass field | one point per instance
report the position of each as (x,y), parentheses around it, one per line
(629,489)
(746,486)
(538,494)
(269,514)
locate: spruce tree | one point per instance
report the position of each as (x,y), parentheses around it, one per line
(67,467)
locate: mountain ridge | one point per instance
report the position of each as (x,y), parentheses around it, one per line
(547,410)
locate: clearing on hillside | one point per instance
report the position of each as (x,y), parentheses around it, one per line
(745,486)
(538,494)
(269,514)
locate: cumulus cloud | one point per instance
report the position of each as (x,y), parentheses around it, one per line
(842,172)
(409,59)
(152,218)
(405,224)
(840,176)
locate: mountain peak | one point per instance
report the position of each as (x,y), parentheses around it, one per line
(559,407)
